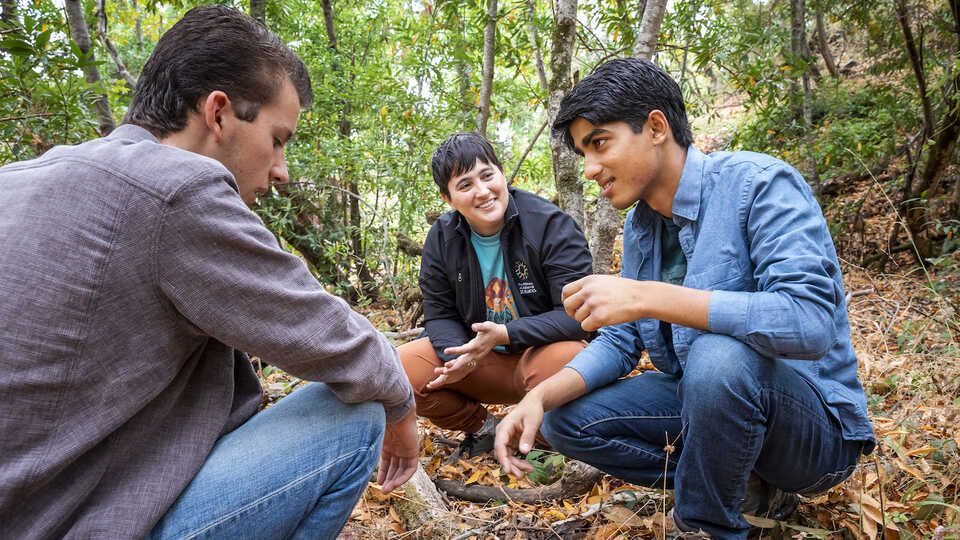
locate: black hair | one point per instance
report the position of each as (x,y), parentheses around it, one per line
(214,48)
(624,89)
(459,154)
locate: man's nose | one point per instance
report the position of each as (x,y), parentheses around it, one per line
(279,173)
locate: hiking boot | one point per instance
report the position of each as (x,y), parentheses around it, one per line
(474,445)
(766,501)
(481,441)
(681,530)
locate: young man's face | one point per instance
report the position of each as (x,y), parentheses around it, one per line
(623,163)
(254,151)
(480,195)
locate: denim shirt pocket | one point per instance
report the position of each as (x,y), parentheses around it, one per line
(727,275)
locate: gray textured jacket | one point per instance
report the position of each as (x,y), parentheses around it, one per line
(130,272)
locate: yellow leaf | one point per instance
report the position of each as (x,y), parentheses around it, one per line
(475,477)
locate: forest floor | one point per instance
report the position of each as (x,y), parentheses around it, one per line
(904,324)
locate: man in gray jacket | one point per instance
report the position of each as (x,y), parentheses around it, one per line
(131,275)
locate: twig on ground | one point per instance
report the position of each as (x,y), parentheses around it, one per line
(578,478)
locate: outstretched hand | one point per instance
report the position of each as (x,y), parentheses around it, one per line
(398,460)
(516,434)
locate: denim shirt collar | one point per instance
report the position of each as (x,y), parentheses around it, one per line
(686,202)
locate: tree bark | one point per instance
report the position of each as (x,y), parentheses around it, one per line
(138,25)
(78,30)
(258,10)
(486,82)
(824,44)
(798,43)
(105,38)
(566,165)
(649,31)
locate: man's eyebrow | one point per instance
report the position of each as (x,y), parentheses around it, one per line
(585,141)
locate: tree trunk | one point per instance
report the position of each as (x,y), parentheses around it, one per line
(467,107)
(915,209)
(78,30)
(824,44)
(138,26)
(649,31)
(566,165)
(345,126)
(486,82)
(798,43)
(258,10)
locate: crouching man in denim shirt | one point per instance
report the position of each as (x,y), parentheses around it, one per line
(730,282)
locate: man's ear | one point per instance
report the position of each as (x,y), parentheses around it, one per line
(659,126)
(213,108)
(446,199)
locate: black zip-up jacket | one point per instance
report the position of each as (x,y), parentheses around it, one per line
(543,250)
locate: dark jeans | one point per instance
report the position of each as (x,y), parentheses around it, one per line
(738,412)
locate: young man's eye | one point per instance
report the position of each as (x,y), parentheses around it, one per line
(597,143)
(277,142)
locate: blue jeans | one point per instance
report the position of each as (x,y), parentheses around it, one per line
(732,413)
(294,470)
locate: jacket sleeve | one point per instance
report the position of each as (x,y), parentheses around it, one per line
(221,269)
(442,321)
(791,314)
(564,258)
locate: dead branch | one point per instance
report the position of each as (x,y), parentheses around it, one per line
(578,478)
(105,38)
(408,334)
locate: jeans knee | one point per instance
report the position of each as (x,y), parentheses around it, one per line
(559,431)
(365,420)
(718,365)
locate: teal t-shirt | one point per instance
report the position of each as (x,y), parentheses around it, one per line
(501,307)
(673,268)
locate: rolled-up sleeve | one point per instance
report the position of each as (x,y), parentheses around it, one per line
(791,313)
(614,353)
(221,269)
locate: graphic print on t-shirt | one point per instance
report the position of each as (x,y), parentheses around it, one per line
(501,308)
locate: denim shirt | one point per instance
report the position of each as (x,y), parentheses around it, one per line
(753,234)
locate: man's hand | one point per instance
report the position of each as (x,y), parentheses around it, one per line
(599,300)
(398,460)
(516,433)
(489,335)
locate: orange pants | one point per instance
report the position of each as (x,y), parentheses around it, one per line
(498,378)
